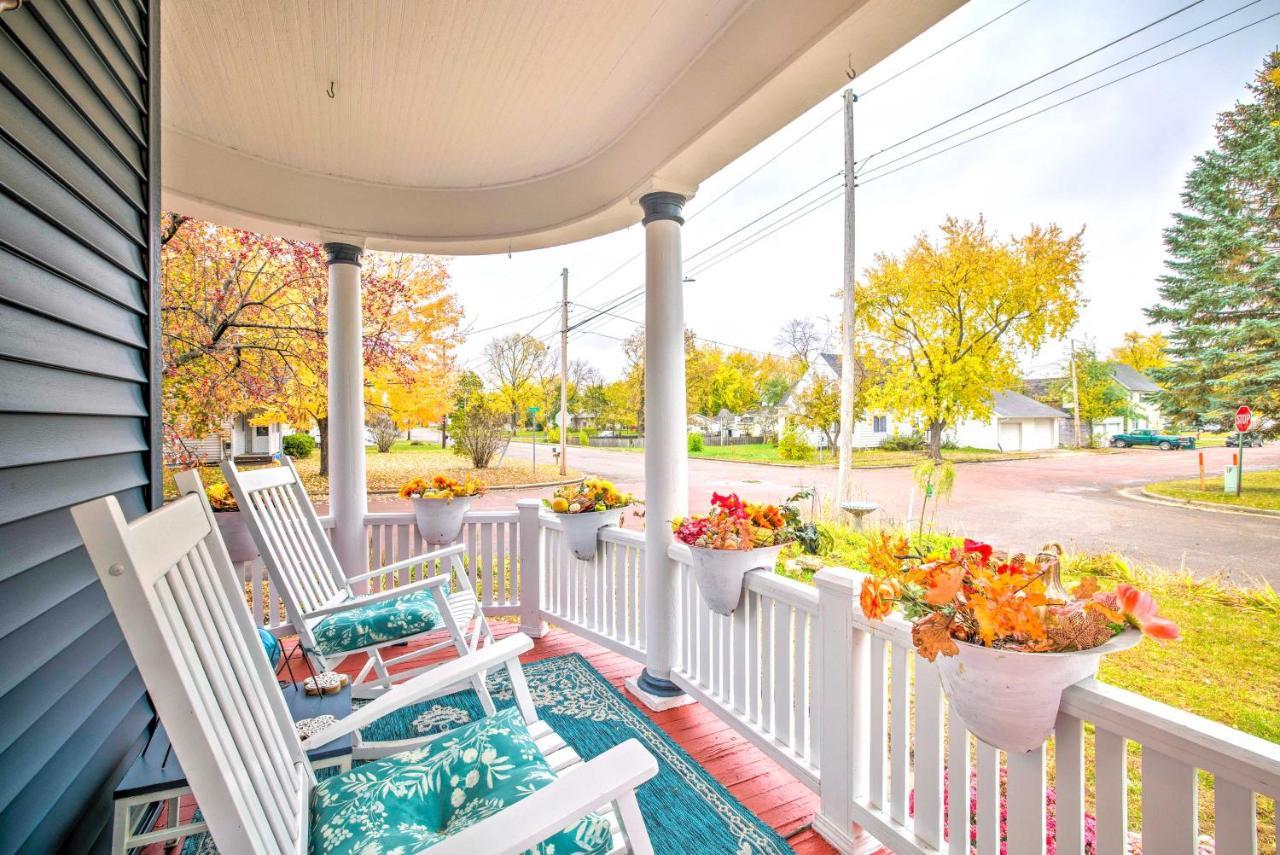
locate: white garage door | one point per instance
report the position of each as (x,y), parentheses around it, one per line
(1010,435)
(1039,434)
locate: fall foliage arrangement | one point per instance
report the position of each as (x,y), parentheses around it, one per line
(735,524)
(441,487)
(593,494)
(221,498)
(977,595)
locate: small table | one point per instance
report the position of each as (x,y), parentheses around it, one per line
(154,778)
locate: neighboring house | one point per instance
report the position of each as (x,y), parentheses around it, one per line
(1017,423)
(1145,414)
(1139,391)
(699,423)
(868,432)
(238,438)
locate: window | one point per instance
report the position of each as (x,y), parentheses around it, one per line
(262,431)
(879,424)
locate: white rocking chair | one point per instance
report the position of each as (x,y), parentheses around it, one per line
(181,608)
(332,620)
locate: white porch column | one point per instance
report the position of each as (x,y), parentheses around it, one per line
(348,501)
(666,463)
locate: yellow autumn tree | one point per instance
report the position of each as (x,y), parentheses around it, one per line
(1142,352)
(951,318)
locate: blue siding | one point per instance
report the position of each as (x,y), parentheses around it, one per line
(79,202)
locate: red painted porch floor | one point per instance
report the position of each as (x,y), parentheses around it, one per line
(779,800)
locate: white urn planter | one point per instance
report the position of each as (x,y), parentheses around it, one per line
(235,534)
(720,572)
(440,520)
(1010,699)
(581,530)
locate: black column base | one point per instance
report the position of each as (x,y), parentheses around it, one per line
(657,687)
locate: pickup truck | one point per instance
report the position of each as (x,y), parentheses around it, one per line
(1152,437)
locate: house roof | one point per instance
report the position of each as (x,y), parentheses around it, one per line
(1015,405)
(472,128)
(832,360)
(1133,379)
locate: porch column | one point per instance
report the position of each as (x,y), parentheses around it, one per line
(347,490)
(666,464)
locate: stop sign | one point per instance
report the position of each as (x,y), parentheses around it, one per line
(1244,418)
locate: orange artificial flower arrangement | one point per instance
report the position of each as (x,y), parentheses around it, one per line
(441,487)
(977,595)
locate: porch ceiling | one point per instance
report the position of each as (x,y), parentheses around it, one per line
(472,127)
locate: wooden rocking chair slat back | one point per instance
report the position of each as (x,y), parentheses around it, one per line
(179,603)
(289,536)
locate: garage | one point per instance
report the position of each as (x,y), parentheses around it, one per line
(1010,435)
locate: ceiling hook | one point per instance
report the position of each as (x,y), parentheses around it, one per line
(10,5)
(849,70)
(330,92)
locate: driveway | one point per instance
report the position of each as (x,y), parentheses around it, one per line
(1073,499)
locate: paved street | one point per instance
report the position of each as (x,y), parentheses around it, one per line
(1074,499)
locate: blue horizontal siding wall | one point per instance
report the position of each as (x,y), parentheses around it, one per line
(79,204)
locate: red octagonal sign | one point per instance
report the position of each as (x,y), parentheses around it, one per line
(1244,418)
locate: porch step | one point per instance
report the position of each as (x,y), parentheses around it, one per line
(253,459)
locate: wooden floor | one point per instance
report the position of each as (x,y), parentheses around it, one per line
(778,799)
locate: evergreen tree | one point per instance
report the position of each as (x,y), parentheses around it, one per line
(1221,294)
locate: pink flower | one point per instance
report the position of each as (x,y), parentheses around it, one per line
(1139,609)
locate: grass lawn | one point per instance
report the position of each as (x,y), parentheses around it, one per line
(1226,667)
(1261,489)
(386,472)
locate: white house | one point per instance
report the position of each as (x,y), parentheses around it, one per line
(238,437)
(868,432)
(1144,413)
(1017,423)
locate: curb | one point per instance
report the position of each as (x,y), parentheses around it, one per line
(1144,495)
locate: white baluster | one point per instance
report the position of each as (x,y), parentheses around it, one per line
(1026,802)
(1169,798)
(958,787)
(899,738)
(988,812)
(1235,819)
(928,754)
(1068,754)
(1111,792)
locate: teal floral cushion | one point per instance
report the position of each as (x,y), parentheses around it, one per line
(377,623)
(408,801)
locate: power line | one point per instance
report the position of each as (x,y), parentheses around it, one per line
(1079,95)
(1035,79)
(942,49)
(794,217)
(767,213)
(510,322)
(1067,85)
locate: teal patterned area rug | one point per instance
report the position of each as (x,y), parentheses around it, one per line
(686,810)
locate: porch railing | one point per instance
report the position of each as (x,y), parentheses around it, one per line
(846,706)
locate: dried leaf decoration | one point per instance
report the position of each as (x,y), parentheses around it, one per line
(1077,627)
(1086,589)
(932,635)
(942,583)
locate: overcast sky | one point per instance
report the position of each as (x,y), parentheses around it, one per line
(1112,161)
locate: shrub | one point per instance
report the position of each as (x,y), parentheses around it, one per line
(793,446)
(584,438)
(385,433)
(299,445)
(695,443)
(553,435)
(478,434)
(416,442)
(904,442)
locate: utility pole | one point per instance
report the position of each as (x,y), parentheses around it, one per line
(848,380)
(1075,392)
(564,370)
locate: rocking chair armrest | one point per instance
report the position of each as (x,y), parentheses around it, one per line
(521,826)
(450,673)
(434,555)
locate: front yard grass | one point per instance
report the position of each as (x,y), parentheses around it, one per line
(386,472)
(1226,667)
(1261,490)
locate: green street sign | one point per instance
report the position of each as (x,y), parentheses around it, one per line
(534,410)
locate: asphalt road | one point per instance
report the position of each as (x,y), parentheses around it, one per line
(1074,499)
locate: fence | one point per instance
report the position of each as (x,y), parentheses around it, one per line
(847,707)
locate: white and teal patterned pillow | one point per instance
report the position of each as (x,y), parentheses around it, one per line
(377,623)
(408,801)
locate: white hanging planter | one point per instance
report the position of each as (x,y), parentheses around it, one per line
(440,520)
(581,530)
(720,572)
(1010,699)
(235,534)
